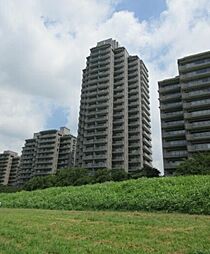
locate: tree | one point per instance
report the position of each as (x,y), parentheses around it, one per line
(72,176)
(102,175)
(150,172)
(145,172)
(40,182)
(119,174)
(199,164)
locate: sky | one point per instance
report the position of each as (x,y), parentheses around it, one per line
(44,45)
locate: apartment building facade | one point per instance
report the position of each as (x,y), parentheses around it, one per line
(9,163)
(185,111)
(114,123)
(45,153)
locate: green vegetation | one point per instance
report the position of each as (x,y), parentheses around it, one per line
(64,232)
(5,189)
(199,164)
(186,194)
(81,176)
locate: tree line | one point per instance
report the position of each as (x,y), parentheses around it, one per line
(199,164)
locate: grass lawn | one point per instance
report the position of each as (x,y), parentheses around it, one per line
(46,231)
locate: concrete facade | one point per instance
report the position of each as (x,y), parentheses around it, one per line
(9,163)
(185,111)
(47,152)
(114,122)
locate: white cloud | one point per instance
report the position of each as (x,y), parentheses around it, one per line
(44,43)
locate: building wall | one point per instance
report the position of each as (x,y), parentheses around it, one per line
(114,102)
(185,111)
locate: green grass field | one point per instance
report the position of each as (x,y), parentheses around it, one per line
(63,232)
(189,194)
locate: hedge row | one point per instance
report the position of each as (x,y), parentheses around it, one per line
(189,194)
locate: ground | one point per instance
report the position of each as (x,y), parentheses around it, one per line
(24,231)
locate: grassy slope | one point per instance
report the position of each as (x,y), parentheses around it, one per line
(62,232)
(181,194)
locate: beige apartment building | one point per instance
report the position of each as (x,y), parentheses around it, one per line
(114,122)
(45,153)
(9,162)
(185,111)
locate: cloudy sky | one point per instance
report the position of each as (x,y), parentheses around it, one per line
(44,43)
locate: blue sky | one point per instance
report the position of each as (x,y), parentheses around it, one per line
(143,9)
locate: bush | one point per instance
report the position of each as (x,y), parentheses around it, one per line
(8,189)
(186,194)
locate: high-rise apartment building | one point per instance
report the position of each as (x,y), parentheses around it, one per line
(45,153)
(185,111)
(9,162)
(114,122)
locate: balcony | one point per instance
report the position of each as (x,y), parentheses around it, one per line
(198,125)
(133,98)
(171,105)
(120,134)
(196,104)
(194,65)
(133,152)
(173,133)
(147,156)
(134,130)
(198,136)
(134,86)
(147,142)
(95,165)
(172,124)
(88,157)
(98,141)
(197,114)
(133,103)
(134,160)
(117,151)
(136,137)
(147,149)
(171,115)
(197,94)
(199,148)
(170,88)
(118,143)
(133,80)
(175,154)
(133,74)
(176,143)
(198,74)
(100,156)
(196,83)
(170,96)
(117,158)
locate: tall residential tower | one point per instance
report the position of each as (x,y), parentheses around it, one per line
(114,122)
(185,111)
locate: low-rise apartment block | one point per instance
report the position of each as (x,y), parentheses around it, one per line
(185,111)
(47,152)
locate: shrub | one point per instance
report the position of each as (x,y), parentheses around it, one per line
(186,194)
(199,164)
